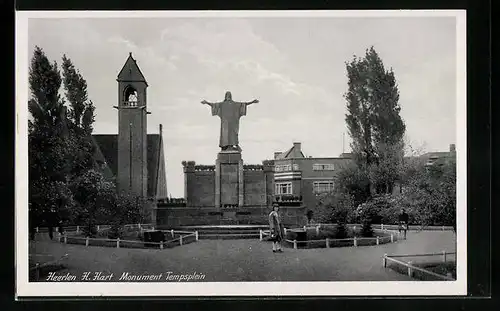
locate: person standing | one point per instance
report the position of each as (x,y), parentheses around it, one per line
(403,222)
(276,228)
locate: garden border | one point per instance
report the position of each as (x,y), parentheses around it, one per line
(63,238)
(395,235)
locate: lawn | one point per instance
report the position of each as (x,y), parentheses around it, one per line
(247,260)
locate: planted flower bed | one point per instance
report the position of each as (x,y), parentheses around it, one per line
(334,236)
(132,237)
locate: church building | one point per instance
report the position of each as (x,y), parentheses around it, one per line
(133,158)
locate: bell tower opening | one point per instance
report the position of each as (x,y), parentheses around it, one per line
(130,97)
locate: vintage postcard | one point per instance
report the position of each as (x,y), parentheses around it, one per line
(241,153)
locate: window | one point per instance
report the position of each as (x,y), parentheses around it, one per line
(323,167)
(322,186)
(283,168)
(283,188)
(295,167)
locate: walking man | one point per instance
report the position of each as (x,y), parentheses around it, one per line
(403,222)
(276,228)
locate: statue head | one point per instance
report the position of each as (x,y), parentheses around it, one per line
(228,96)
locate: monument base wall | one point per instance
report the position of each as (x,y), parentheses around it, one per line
(171,217)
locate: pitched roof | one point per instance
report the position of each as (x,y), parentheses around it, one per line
(292,153)
(131,71)
(108,147)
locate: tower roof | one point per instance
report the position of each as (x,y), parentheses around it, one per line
(131,72)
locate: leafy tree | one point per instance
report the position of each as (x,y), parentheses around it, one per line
(94,197)
(81,117)
(374,120)
(354,181)
(429,192)
(48,139)
(127,209)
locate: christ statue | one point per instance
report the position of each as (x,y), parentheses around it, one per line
(229,113)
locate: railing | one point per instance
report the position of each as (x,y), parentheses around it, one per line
(77,229)
(184,238)
(412,268)
(389,227)
(355,241)
(38,266)
(200,168)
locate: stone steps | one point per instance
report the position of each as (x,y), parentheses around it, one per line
(231,236)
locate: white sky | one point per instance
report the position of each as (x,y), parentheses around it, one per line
(294,66)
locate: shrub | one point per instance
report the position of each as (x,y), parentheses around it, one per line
(341,231)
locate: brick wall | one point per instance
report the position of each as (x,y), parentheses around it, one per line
(201,189)
(189,216)
(254,188)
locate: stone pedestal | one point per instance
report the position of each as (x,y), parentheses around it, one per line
(229,188)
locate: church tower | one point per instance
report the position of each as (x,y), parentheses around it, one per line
(132,174)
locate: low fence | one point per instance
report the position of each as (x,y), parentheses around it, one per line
(411,268)
(355,241)
(78,229)
(385,227)
(185,237)
(35,270)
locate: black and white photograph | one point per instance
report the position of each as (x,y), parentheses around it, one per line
(224,153)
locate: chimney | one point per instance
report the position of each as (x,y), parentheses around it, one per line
(296,146)
(276,155)
(161,128)
(452,147)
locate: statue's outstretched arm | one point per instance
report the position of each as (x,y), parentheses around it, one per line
(249,103)
(204,102)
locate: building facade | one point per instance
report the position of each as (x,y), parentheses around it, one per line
(302,179)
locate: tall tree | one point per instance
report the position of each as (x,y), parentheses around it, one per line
(81,117)
(374,120)
(48,138)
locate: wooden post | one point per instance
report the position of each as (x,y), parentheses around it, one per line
(260,235)
(327,243)
(97,228)
(36,229)
(118,243)
(77,229)
(382,226)
(196,235)
(65,239)
(442,228)
(392,238)
(284,230)
(295,244)
(378,242)
(305,228)
(410,272)
(355,241)
(384,261)
(317,230)
(139,226)
(87,241)
(180,240)
(172,232)
(444,256)
(153,228)
(161,245)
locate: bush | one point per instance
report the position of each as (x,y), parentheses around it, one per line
(366,229)
(341,231)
